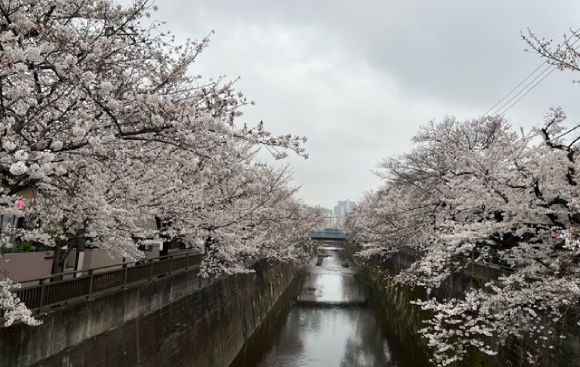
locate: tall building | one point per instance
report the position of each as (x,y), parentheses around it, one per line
(343,207)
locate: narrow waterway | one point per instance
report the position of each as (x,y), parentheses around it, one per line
(332,323)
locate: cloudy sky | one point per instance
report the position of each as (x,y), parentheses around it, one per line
(359,77)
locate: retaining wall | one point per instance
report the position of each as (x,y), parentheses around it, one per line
(398,298)
(179,321)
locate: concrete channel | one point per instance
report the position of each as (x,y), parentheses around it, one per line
(333,322)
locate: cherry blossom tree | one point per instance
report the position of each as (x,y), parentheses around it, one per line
(477,191)
(103,122)
(241,214)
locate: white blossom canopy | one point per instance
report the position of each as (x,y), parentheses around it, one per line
(103,123)
(478,191)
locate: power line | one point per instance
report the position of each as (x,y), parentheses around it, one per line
(498,111)
(553,68)
(514,89)
(528,91)
(531,85)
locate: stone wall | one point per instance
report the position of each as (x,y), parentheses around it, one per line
(177,321)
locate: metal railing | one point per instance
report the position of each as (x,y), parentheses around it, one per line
(484,270)
(73,286)
(465,264)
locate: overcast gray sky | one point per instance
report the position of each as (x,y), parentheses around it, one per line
(359,77)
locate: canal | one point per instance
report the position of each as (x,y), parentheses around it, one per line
(332,323)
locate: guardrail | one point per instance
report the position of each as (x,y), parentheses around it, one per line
(73,286)
(478,269)
(485,270)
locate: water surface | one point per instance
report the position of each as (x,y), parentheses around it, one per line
(332,325)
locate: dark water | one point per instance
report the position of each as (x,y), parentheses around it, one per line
(332,324)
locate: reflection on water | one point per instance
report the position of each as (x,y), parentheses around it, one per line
(332,289)
(319,331)
(334,337)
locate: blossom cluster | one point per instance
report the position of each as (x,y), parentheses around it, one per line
(103,126)
(480,192)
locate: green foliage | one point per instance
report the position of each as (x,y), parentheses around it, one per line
(17,246)
(23,246)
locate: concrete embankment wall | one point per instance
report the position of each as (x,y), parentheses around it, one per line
(398,297)
(179,321)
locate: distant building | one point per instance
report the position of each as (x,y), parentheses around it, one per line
(331,221)
(343,207)
(334,218)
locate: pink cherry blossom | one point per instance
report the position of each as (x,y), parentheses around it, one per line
(107,128)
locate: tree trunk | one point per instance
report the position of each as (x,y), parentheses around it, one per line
(61,252)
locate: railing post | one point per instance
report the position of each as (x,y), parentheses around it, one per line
(171,258)
(91,280)
(150,269)
(187,260)
(125,280)
(42,295)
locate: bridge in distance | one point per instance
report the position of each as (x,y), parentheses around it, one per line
(328,234)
